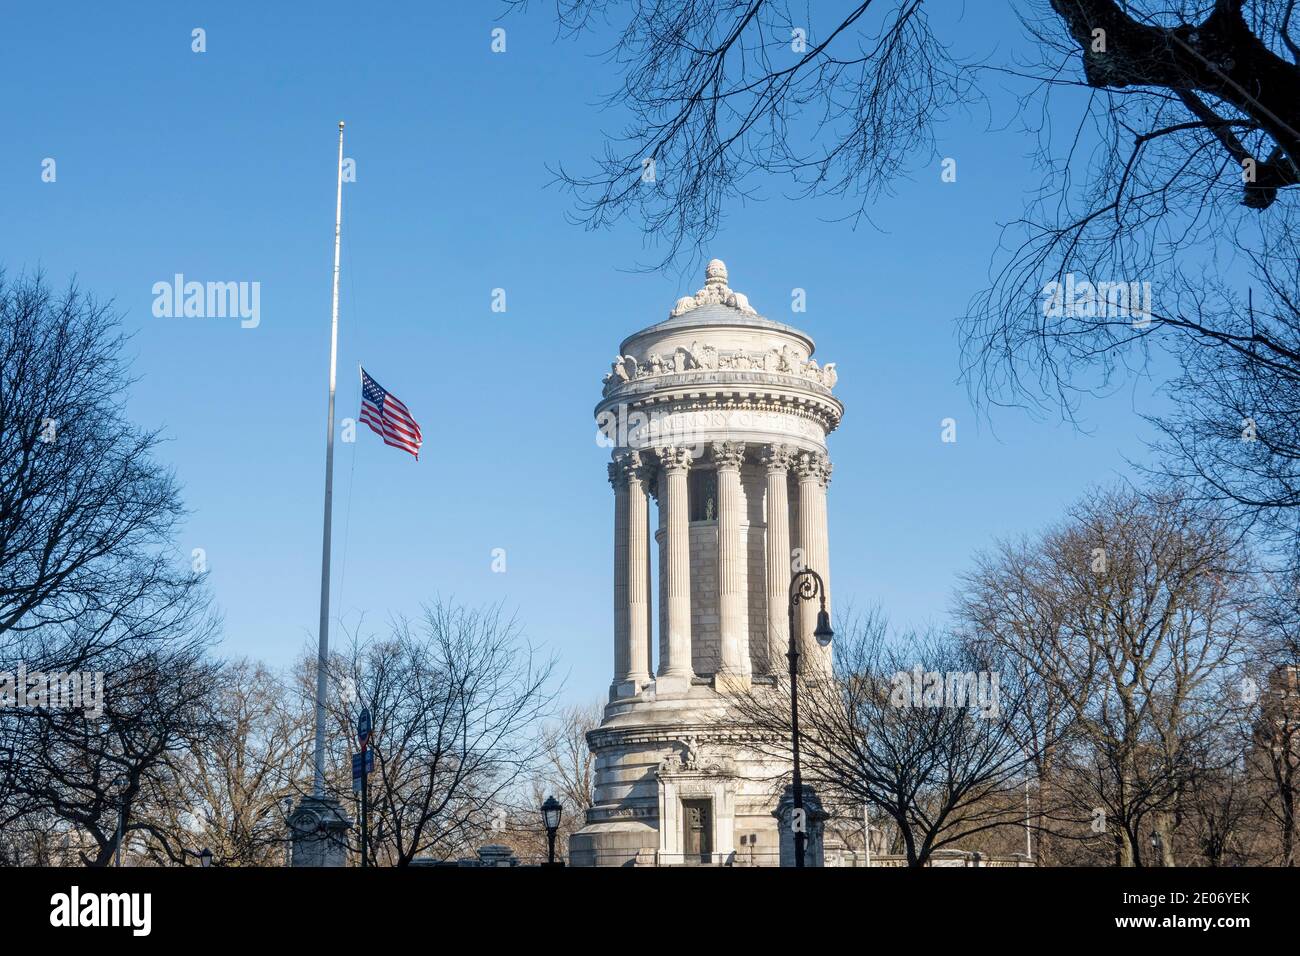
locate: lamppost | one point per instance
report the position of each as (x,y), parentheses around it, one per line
(806,585)
(286,804)
(204,856)
(120,833)
(551,812)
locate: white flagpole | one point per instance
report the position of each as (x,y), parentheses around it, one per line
(322,655)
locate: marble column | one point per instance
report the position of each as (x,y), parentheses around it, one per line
(631,575)
(675,670)
(814,472)
(734,666)
(777,461)
(620,575)
(650,478)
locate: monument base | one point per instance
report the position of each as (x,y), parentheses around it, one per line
(320,832)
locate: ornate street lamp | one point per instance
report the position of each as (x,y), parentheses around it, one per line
(205,858)
(806,585)
(552,809)
(286,804)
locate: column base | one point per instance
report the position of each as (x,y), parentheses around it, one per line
(672,685)
(622,689)
(732,683)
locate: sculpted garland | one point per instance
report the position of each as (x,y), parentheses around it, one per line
(782,361)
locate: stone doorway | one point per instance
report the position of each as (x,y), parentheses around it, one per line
(697,831)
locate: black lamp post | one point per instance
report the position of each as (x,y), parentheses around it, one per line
(286,804)
(120,834)
(551,812)
(806,585)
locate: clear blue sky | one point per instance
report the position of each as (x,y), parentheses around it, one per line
(221,166)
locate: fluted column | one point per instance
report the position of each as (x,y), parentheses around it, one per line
(631,575)
(620,575)
(650,478)
(777,461)
(814,472)
(675,670)
(734,668)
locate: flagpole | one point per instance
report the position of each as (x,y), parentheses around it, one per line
(322,654)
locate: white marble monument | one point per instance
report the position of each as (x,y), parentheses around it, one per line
(719,417)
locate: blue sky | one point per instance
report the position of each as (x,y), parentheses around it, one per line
(221,166)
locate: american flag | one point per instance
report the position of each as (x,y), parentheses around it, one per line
(388,417)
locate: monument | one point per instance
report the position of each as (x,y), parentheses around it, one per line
(718,416)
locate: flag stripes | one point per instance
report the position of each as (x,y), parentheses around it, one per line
(388,417)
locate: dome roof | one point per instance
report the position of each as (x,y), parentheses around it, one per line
(715,305)
(715,352)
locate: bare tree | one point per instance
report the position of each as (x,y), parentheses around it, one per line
(926,730)
(1135,611)
(721,91)
(224,792)
(1221,814)
(565,771)
(83,504)
(89,582)
(456,697)
(1274,759)
(1163,239)
(1273,754)
(568,762)
(103,776)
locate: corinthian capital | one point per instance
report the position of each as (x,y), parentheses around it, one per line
(778,457)
(815,465)
(729,454)
(672,458)
(627,467)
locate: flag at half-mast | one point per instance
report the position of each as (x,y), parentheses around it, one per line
(387,417)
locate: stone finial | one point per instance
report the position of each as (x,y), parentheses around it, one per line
(715,292)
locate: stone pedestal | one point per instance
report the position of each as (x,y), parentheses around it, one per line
(496,854)
(814,827)
(320,832)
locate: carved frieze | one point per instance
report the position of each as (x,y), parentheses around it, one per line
(783,361)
